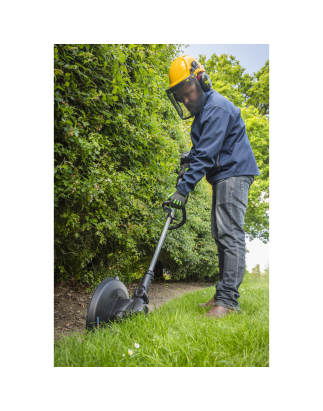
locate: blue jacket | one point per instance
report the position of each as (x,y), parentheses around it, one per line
(221,147)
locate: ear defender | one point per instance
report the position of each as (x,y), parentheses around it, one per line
(205,81)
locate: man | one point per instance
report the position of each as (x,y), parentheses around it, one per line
(221,151)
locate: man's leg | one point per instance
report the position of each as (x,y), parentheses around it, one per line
(230,199)
(214,231)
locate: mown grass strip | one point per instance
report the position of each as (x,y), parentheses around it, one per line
(176,335)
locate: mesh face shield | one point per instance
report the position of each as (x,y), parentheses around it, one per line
(187,97)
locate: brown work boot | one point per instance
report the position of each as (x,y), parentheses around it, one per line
(208,304)
(218,311)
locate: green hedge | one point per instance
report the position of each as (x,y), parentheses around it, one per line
(117,144)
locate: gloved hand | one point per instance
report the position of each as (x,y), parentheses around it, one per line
(177,200)
(181,171)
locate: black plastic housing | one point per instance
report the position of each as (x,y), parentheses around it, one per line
(103,300)
(147,279)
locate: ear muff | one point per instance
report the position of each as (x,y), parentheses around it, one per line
(205,81)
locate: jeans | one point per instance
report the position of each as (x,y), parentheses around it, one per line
(230,200)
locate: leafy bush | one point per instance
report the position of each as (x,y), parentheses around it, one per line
(117,144)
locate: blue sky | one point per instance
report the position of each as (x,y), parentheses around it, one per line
(251,56)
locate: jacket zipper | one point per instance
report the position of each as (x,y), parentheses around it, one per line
(218,162)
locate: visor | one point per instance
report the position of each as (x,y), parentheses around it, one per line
(187,97)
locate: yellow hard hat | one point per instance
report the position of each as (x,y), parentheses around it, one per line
(187,87)
(182,67)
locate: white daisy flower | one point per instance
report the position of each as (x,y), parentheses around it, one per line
(130,352)
(123,355)
(137,345)
(242,289)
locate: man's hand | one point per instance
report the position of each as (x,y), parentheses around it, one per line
(185,165)
(181,172)
(177,200)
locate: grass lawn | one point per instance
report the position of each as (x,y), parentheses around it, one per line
(176,336)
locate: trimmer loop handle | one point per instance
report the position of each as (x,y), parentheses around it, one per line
(169,211)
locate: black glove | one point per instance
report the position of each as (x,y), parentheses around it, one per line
(177,200)
(185,165)
(181,172)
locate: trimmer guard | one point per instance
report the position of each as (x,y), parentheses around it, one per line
(110,301)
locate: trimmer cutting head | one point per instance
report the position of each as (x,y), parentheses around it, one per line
(110,301)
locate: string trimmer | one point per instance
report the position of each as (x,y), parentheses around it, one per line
(110,300)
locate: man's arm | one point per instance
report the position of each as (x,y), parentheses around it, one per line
(215,123)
